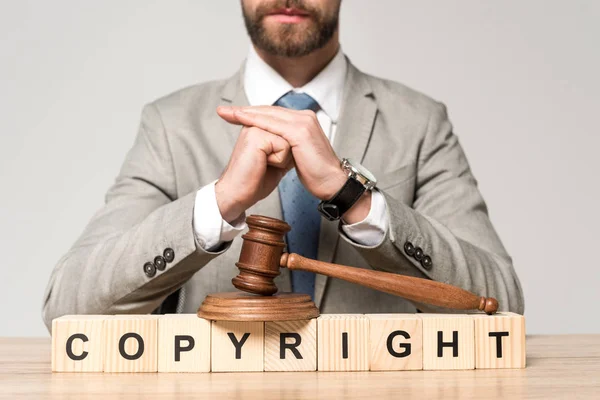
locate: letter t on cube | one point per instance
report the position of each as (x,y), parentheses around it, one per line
(499,340)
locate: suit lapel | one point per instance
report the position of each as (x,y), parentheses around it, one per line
(354,129)
(233,94)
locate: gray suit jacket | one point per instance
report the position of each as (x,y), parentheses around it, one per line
(402,136)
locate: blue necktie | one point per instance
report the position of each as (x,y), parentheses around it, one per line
(300,207)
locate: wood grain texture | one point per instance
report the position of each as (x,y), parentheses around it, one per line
(511,354)
(392,328)
(87,351)
(261,257)
(175,351)
(240,306)
(115,327)
(307,348)
(224,355)
(411,288)
(558,367)
(464,327)
(333,331)
(260,254)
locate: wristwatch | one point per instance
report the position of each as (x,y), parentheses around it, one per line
(359,181)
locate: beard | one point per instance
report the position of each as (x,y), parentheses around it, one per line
(290,40)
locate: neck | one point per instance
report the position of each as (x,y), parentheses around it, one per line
(298,71)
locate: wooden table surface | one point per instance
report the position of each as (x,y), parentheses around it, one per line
(561,367)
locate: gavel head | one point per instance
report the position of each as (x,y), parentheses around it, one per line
(260,255)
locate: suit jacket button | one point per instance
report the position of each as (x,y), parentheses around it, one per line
(426,262)
(149,269)
(169,255)
(160,263)
(409,248)
(418,254)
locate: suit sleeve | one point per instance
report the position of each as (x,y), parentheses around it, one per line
(103,273)
(449,221)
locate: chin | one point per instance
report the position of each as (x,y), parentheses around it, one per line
(275,27)
(289,34)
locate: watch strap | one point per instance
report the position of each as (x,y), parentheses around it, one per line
(343,200)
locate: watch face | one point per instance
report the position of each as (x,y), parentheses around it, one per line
(362,171)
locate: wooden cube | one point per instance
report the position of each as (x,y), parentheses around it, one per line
(396,342)
(448,341)
(291,345)
(342,342)
(237,346)
(130,343)
(77,343)
(499,340)
(183,343)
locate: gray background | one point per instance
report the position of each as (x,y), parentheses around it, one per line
(520,79)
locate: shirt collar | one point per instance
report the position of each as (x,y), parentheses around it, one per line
(264,86)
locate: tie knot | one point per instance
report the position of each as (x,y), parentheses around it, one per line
(297,101)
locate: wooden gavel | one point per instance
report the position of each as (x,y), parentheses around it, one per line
(262,256)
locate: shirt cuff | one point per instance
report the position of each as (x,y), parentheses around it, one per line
(371,230)
(210,229)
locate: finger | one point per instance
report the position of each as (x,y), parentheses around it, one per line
(277,149)
(275,111)
(281,159)
(287,114)
(269,123)
(228,114)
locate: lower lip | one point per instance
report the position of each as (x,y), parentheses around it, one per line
(288,19)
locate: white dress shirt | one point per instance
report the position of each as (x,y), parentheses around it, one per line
(264,86)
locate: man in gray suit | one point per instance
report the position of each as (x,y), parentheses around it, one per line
(270,141)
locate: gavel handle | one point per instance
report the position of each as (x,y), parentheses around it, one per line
(411,288)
